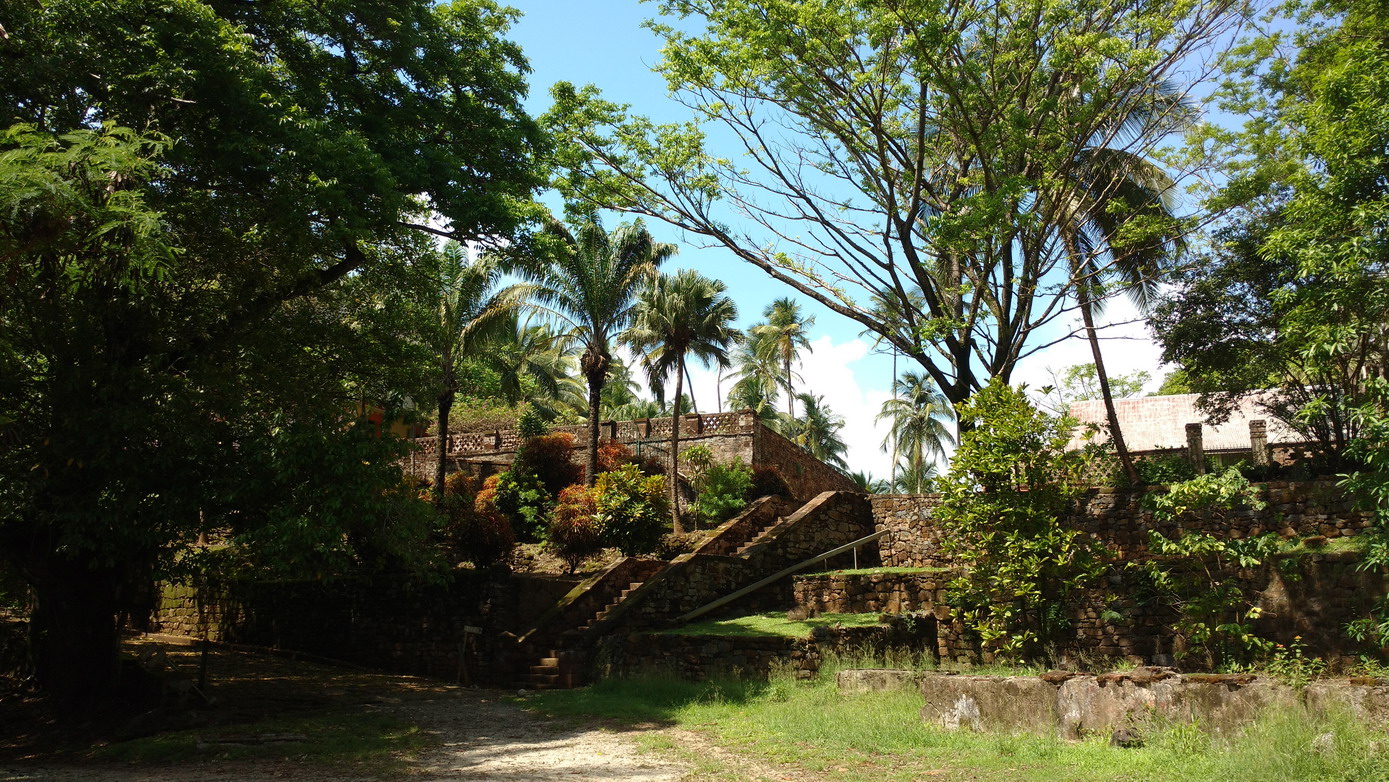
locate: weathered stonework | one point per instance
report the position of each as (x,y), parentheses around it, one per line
(865,593)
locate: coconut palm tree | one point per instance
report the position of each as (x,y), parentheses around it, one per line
(470,310)
(676,317)
(529,354)
(780,338)
(1116,222)
(918,414)
(757,377)
(869,484)
(911,480)
(817,431)
(590,284)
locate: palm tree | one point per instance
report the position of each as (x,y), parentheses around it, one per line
(918,413)
(869,484)
(530,352)
(590,285)
(757,377)
(911,480)
(468,313)
(1117,220)
(817,431)
(676,317)
(781,337)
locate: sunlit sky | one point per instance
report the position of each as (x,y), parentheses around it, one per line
(602,42)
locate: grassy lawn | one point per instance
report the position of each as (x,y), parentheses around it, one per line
(809,727)
(772,624)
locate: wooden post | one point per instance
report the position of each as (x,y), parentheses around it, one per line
(1258,442)
(1194,449)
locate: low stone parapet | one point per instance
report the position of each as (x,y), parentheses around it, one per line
(1073,706)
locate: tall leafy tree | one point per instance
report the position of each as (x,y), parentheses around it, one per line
(188,315)
(472,311)
(885,148)
(918,415)
(677,317)
(590,282)
(780,339)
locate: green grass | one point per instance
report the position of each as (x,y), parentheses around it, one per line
(772,624)
(873,571)
(1331,546)
(810,727)
(379,741)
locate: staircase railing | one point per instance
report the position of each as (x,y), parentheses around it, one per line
(780,574)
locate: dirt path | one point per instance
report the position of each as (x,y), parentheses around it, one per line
(474,734)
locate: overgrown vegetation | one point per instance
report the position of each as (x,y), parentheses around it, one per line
(1011,483)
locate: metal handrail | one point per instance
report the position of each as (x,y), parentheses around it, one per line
(726,599)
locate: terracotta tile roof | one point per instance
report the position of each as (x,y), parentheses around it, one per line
(1153,423)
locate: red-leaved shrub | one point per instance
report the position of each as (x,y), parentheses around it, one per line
(550,457)
(613,454)
(573,535)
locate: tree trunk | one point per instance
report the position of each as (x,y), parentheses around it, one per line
(790,396)
(675,452)
(442,431)
(1115,433)
(73,633)
(595,399)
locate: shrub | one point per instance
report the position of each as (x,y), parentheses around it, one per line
(723,490)
(632,509)
(475,532)
(1162,470)
(460,485)
(573,534)
(767,482)
(1010,485)
(525,502)
(613,454)
(550,458)
(530,424)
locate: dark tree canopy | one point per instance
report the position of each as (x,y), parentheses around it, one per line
(193,310)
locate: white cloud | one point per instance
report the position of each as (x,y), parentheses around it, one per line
(1124,342)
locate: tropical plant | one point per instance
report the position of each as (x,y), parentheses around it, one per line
(531,360)
(817,431)
(917,414)
(590,282)
(676,317)
(1003,504)
(521,497)
(869,484)
(631,509)
(573,533)
(915,480)
(780,339)
(757,377)
(721,491)
(471,312)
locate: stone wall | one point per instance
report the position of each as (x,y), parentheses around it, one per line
(1117,520)
(391,623)
(805,475)
(867,593)
(1073,706)
(699,658)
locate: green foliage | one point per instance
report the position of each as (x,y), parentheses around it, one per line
(1010,485)
(723,490)
(1190,573)
(1164,469)
(631,509)
(1081,382)
(1370,488)
(1214,494)
(530,424)
(523,499)
(574,534)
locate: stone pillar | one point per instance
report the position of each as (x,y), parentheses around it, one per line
(1258,442)
(1195,451)
(611,427)
(497,440)
(697,424)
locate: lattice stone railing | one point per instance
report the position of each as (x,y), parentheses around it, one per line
(691,425)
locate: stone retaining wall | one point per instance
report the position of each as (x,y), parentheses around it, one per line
(866,593)
(386,622)
(1074,706)
(1117,520)
(700,657)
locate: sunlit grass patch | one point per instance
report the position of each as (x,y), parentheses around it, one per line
(772,624)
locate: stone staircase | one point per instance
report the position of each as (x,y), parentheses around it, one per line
(556,651)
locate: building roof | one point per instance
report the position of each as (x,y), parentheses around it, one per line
(1156,423)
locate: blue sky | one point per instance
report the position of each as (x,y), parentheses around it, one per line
(602,42)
